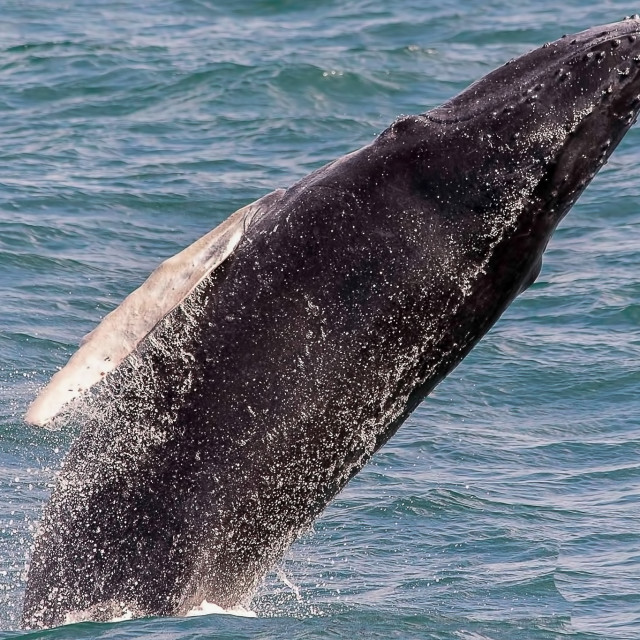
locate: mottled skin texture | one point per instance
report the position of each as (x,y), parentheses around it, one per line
(252,404)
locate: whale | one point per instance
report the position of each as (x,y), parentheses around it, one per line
(226,401)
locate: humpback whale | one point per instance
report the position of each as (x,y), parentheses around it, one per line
(232,396)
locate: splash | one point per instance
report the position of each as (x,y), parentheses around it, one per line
(294,588)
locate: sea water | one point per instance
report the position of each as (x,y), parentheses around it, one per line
(507,506)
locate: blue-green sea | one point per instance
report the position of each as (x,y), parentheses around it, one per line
(508,506)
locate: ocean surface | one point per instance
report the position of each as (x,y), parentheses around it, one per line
(507,507)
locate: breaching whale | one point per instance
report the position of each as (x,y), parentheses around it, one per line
(227,400)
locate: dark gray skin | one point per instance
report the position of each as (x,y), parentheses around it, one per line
(208,451)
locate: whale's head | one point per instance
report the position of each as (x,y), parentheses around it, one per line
(519,146)
(554,114)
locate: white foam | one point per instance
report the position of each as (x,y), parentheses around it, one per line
(206,608)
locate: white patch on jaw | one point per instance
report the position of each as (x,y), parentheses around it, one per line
(125,327)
